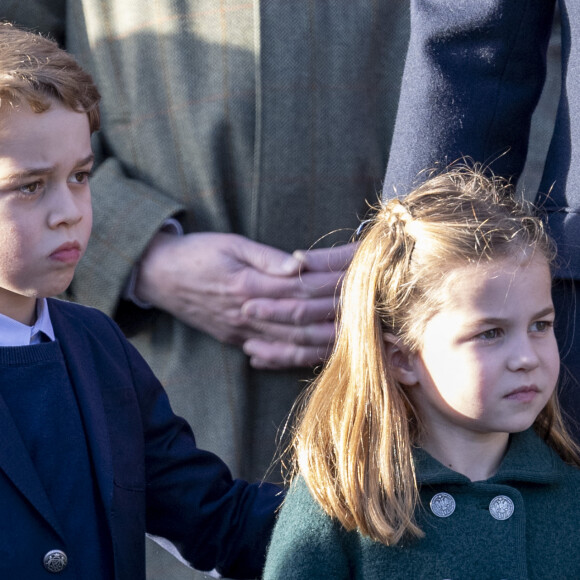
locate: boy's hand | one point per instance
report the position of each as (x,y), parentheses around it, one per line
(280,307)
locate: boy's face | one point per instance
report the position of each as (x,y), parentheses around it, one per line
(45,204)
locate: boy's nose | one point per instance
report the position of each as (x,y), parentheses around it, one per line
(66,208)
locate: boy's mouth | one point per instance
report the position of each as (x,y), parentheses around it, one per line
(68,253)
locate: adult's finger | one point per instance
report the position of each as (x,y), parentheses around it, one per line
(326,259)
(320,334)
(290,311)
(304,285)
(281,355)
(263,258)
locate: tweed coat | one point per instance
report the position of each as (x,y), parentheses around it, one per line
(268,119)
(538,540)
(265,118)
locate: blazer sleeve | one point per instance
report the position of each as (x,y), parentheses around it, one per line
(192,500)
(306,542)
(473,76)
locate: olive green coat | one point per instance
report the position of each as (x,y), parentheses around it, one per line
(539,540)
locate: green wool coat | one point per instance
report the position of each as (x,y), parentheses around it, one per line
(538,540)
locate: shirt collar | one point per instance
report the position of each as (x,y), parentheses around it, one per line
(14,333)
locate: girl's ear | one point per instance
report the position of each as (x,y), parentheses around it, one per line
(400,360)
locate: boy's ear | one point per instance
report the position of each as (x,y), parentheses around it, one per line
(400,359)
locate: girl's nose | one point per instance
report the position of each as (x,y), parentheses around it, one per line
(523,356)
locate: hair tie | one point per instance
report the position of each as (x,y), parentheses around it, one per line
(398,212)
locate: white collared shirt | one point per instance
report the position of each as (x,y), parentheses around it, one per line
(14,333)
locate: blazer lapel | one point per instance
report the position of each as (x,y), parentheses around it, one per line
(75,345)
(16,463)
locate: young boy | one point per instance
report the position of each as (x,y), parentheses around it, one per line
(92,456)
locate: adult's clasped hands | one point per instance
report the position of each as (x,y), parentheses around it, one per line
(278,307)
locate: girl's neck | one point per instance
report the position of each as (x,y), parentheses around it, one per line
(475,455)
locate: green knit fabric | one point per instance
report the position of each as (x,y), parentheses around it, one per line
(540,539)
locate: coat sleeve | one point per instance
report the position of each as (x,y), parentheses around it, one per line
(192,501)
(127,214)
(306,542)
(473,76)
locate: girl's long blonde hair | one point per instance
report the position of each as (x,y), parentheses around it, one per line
(357,428)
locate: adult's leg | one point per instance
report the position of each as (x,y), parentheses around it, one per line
(566,295)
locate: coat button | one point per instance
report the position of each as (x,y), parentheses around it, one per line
(501,507)
(442,505)
(55,561)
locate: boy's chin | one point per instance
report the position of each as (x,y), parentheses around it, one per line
(57,289)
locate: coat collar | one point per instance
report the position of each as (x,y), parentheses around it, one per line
(528,459)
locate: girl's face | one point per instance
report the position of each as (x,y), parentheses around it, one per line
(489,360)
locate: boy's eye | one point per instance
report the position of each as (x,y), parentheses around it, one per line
(30,188)
(80,177)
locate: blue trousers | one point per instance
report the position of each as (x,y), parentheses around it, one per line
(566,295)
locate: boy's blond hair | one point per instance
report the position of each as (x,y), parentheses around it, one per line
(356,432)
(34,70)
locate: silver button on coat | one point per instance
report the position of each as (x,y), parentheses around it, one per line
(501,507)
(442,505)
(55,561)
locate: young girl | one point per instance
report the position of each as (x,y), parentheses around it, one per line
(432,445)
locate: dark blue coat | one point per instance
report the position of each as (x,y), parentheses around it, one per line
(473,76)
(150,474)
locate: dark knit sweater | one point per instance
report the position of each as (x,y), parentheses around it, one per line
(539,540)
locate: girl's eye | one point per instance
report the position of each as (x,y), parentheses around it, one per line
(490,334)
(541,326)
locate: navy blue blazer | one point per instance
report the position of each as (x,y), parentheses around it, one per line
(150,474)
(473,76)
